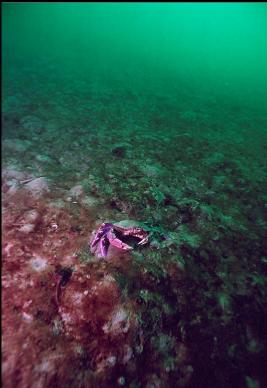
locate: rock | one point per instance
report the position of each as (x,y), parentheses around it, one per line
(31,216)
(11,173)
(43,158)
(58,203)
(38,263)
(32,123)
(89,201)
(127,354)
(16,145)
(30,220)
(119,322)
(12,190)
(121,380)
(154,382)
(120,151)
(11,179)
(151,171)
(27,228)
(38,187)
(76,192)
(11,183)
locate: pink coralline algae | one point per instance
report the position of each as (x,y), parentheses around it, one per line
(94,316)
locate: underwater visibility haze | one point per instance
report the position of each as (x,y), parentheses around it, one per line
(134,194)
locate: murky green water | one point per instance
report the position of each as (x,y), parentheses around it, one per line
(159,112)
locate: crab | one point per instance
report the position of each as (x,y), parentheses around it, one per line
(114,234)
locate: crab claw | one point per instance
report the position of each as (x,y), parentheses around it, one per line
(100,234)
(113,240)
(143,241)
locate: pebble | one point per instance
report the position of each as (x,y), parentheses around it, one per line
(76,192)
(38,187)
(27,317)
(31,216)
(27,228)
(121,380)
(38,264)
(43,158)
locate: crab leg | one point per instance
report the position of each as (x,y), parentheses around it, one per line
(113,240)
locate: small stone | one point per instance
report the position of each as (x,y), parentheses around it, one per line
(121,380)
(58,202)
(38,186)
(89,201)
(11,173)
(12,190)
(119,322)
(128,353)
(30,220)
(111,361)
(11,182)
(151,170)
(76,192)
(43,159)
(27,317)
(31,216)
(57,327)
(27,228)
(38,264)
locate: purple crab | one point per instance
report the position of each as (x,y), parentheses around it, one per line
(113,234)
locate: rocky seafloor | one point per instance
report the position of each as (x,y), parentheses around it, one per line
(189,309)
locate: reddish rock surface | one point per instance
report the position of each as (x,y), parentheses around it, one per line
(55,332)
(65,322)
(95,318)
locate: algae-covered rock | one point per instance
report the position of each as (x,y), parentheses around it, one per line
(16,145)
(31,123)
